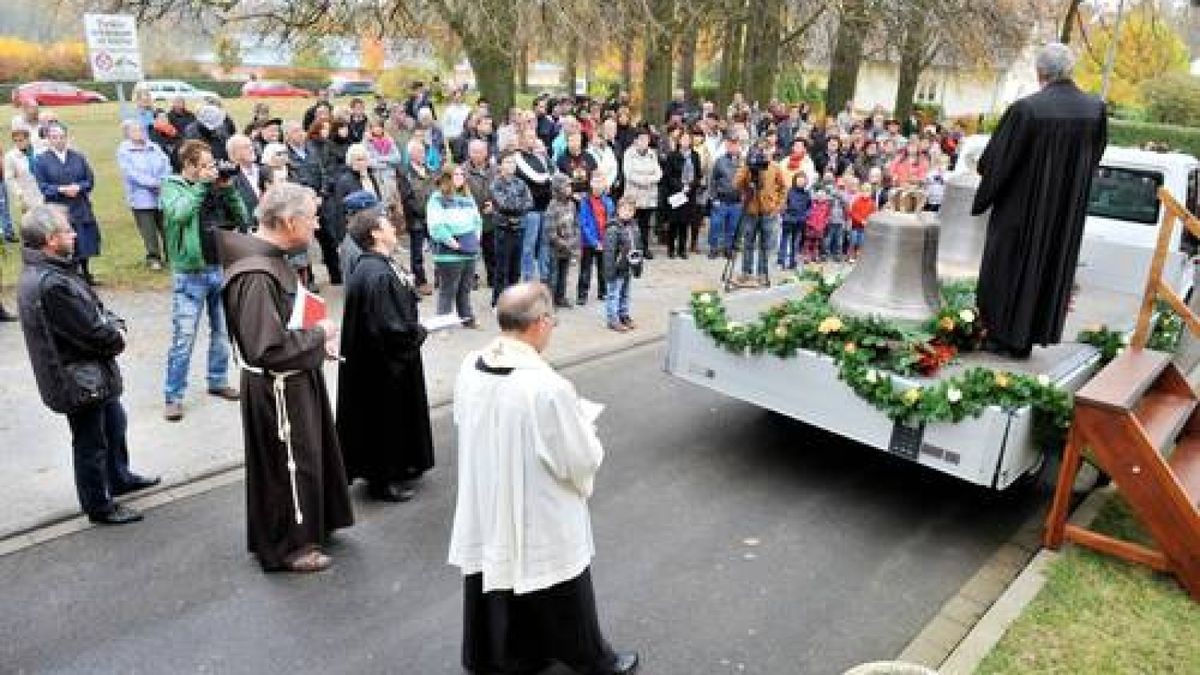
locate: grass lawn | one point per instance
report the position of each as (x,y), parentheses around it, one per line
(95,131)
(1099,615)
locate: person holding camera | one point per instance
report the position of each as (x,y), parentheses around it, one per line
(197,202)
(73,342)
(622,262)
(764,194)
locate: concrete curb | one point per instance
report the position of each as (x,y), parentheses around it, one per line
(971,623)
(69,521)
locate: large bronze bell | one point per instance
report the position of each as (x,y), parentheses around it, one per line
(896,278)
(960,244)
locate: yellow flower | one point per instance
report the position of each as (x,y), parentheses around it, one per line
(911,396)
(705,298)
(872,376)
(781,332)
(954,395)
(967,316)
(850,348)
(1002,380)
(946,323)
(733,325)
(1043,380)
(830,324)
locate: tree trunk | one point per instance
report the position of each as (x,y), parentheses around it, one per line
(495,71)
(627,66)
(1068,24)
(912,62)
(847,55)
(731,51)
(571,71)
(656,73)
(523,68)
(687,58)
(762,50)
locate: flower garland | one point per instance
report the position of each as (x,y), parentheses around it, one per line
(868,351)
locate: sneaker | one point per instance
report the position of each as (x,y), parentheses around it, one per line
(227,392)
(618,327)
(173,412)
(629,323)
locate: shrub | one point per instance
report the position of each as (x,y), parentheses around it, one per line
(1173,98)
(1138,134)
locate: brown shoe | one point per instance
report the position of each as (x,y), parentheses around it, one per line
(619,327)
(309,562)
(629,323)
(228,393)
(173,412)
(425,289)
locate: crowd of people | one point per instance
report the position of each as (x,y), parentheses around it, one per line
(513,200)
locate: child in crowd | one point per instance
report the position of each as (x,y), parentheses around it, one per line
(622,262)
(835,230)
(595,211)
(563,231)
(815,225)
(861,208)
(795,213)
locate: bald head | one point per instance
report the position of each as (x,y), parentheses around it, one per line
(520,306)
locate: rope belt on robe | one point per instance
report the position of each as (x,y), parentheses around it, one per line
(283,424)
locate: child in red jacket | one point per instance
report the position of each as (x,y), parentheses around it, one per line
(861,208)
(814,227)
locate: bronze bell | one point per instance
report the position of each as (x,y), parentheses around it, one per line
(896,278)
(960,245)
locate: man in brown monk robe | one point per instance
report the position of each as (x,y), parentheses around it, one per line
(1037,171)
(296,491)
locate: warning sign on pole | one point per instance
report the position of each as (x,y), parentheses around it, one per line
(113,47)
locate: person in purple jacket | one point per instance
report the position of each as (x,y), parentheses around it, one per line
(143,167)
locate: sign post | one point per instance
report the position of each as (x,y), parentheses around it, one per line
(113,52)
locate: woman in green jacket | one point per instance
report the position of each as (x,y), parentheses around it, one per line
(454,226)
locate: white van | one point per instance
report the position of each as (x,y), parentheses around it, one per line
(167,90)
(1124,216)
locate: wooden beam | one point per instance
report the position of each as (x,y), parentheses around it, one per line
(1125,550)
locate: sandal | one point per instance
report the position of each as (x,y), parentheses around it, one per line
(308,562)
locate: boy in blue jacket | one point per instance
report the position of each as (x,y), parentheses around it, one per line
(795,215)
(595,211)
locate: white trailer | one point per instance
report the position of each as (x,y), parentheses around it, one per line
(997,448)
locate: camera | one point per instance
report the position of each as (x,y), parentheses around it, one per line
(635,263)
(226,170)
(756,160)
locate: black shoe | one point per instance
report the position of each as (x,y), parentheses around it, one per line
(391,492)
(137,483)
(625,663)
(581,300)
(117,515)
(683,256)
(6,317)
(11,238)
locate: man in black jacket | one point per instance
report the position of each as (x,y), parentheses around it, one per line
(73,342)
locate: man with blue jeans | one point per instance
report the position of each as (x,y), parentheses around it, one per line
(195,203)
(534,168)
(726,200)
(764,192)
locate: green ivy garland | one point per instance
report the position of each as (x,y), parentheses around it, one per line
(868,351)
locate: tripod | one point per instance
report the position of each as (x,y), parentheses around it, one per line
(731,253)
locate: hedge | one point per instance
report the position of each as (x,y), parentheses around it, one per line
(1137,134)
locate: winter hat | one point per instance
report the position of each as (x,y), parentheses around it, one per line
(210,116)
(359,201)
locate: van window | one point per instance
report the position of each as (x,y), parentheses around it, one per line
(1125,194)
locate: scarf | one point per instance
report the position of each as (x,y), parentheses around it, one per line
(794,162)
(382,145)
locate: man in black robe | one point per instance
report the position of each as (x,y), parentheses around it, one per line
(296,490)
(382,377)
(1037,171)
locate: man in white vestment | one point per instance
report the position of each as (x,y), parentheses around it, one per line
(527,457)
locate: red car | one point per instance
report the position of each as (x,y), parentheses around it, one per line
(273,88)
(54,93)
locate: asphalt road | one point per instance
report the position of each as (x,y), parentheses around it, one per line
(728,541)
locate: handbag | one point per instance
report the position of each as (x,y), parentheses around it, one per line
(87,383)
(468,244)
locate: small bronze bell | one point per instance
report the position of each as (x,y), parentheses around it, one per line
(896,278)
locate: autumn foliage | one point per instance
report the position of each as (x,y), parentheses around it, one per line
(23,61)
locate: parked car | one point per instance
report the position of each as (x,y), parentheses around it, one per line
(352,88)
(273,88)
(166,90)
(55,93)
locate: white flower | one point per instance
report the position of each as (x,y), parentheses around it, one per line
(1043,380)
(706,298)
(954,395)
(966,315)
(872,376)
(733,325)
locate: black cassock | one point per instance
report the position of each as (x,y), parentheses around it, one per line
(1037,171)
(286,513)
(383,409)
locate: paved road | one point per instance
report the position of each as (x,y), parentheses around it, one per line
(729,541)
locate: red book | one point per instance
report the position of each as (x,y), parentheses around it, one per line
(308,310)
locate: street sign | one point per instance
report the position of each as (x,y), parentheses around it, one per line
(113,47)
